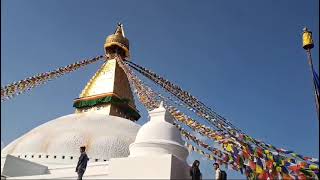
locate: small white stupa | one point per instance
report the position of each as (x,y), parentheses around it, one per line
(157,152)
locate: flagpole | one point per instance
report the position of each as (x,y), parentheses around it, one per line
(308,45)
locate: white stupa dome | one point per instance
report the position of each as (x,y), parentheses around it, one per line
(159,129)
(104,136)
(159,136)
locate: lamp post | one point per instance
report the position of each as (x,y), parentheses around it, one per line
(308,45)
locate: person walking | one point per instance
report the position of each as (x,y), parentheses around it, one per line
(82,163)
(220,175)
(195,171)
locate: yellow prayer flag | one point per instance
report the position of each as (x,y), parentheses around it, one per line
(229,148)
(218,137)
(200,151)
(313,167)
(270,156)
(189,121)
(259,169)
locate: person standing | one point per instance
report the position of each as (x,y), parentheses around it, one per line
(220,175)
(82,163)
(195,171)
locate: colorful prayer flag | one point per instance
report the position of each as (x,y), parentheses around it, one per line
(259,166)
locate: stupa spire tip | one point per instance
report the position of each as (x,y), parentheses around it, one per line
(161,105)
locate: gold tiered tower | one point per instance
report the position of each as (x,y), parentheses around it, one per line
(108,91)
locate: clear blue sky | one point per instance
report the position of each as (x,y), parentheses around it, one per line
(242,57)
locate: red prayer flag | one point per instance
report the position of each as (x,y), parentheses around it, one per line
(259,152)
(269,164)
(303,164)
(252,165)
(264,175)
(295,168)
(287,177)
(301,176)
(246,154)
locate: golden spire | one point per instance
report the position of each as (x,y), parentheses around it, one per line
(108,91)
(117,39)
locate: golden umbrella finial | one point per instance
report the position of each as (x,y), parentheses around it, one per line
(118,39)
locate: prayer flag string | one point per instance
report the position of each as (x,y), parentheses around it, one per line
(254,154)
(16,88)
(188,99)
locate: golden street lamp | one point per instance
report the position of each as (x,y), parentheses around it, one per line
(307,44)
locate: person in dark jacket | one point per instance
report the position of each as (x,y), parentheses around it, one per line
(195,171)
(82,163)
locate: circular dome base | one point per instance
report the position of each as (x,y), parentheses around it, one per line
(104,136)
